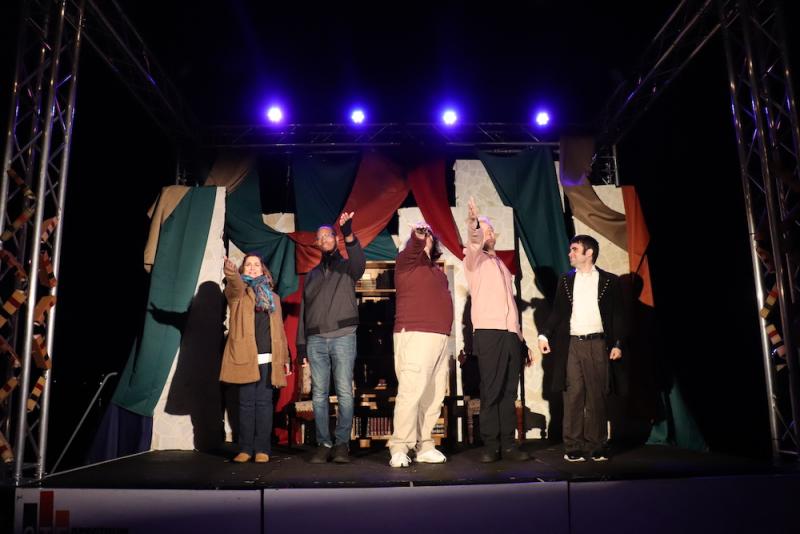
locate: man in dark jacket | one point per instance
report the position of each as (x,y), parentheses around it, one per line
(326,333)
(586,327)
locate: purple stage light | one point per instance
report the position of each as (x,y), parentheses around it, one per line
(542,118)
(449,117)
(358,116)
(274,114)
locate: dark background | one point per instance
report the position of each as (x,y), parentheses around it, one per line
(497,62)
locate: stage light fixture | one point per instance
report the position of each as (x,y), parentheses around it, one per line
(358,116)
(449,117)
(274,114)
(542,118)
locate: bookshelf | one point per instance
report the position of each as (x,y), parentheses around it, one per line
(375,383)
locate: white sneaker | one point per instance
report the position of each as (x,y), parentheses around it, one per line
(399,460)
(431,456)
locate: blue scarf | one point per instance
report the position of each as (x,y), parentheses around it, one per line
(260,285)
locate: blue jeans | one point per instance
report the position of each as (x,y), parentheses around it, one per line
(341,353)
(255,413)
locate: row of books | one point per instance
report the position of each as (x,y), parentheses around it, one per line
(376,428)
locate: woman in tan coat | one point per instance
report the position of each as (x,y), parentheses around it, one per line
(256,354)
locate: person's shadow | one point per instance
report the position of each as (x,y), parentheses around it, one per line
(470,375)
(541,311)
(195,389)
(645,381)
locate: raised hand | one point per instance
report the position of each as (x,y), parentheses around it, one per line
(229,265)
(344,217)
(421,228)
(346,224)
(472,216)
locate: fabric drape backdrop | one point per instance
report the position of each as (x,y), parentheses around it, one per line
(527,183)
(288,394)
(321,187)
(230,169)
(173,280)
(245,226)
(575,160)
(427,183)
(379,189)
(638,241)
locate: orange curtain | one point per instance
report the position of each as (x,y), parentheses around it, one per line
(638,240)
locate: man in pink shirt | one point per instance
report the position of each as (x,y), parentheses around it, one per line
(497,339)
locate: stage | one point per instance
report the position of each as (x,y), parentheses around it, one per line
(644,489)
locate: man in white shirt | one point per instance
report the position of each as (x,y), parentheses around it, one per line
(586,327)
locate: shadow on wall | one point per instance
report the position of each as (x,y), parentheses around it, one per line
(195,388)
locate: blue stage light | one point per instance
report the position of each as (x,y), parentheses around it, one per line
(449,117)
(542,118)
(274,114)
(358,116)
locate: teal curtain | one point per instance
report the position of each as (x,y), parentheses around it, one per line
(181,244)
(245,227)
(678,426)
(527,182)
(382,247)
(321,187)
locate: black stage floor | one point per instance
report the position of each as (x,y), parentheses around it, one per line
(289,468)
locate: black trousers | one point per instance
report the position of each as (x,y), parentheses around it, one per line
(499,362)
(585,420)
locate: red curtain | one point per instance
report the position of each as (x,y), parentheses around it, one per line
(379,189)
(427,183)
(289,394)
(509,257)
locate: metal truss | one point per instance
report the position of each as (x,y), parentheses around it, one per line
(765,119)
(321,138)
(32,192)
(35,167)
(768,144)
(113,37)
(604,166)
(687,30)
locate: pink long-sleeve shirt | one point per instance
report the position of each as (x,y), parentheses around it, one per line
(491,287)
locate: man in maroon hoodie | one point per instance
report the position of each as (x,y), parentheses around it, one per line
(423,320)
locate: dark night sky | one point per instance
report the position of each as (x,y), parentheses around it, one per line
(228,57)
(497,62)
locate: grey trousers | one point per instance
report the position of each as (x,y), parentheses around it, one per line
(585,422)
